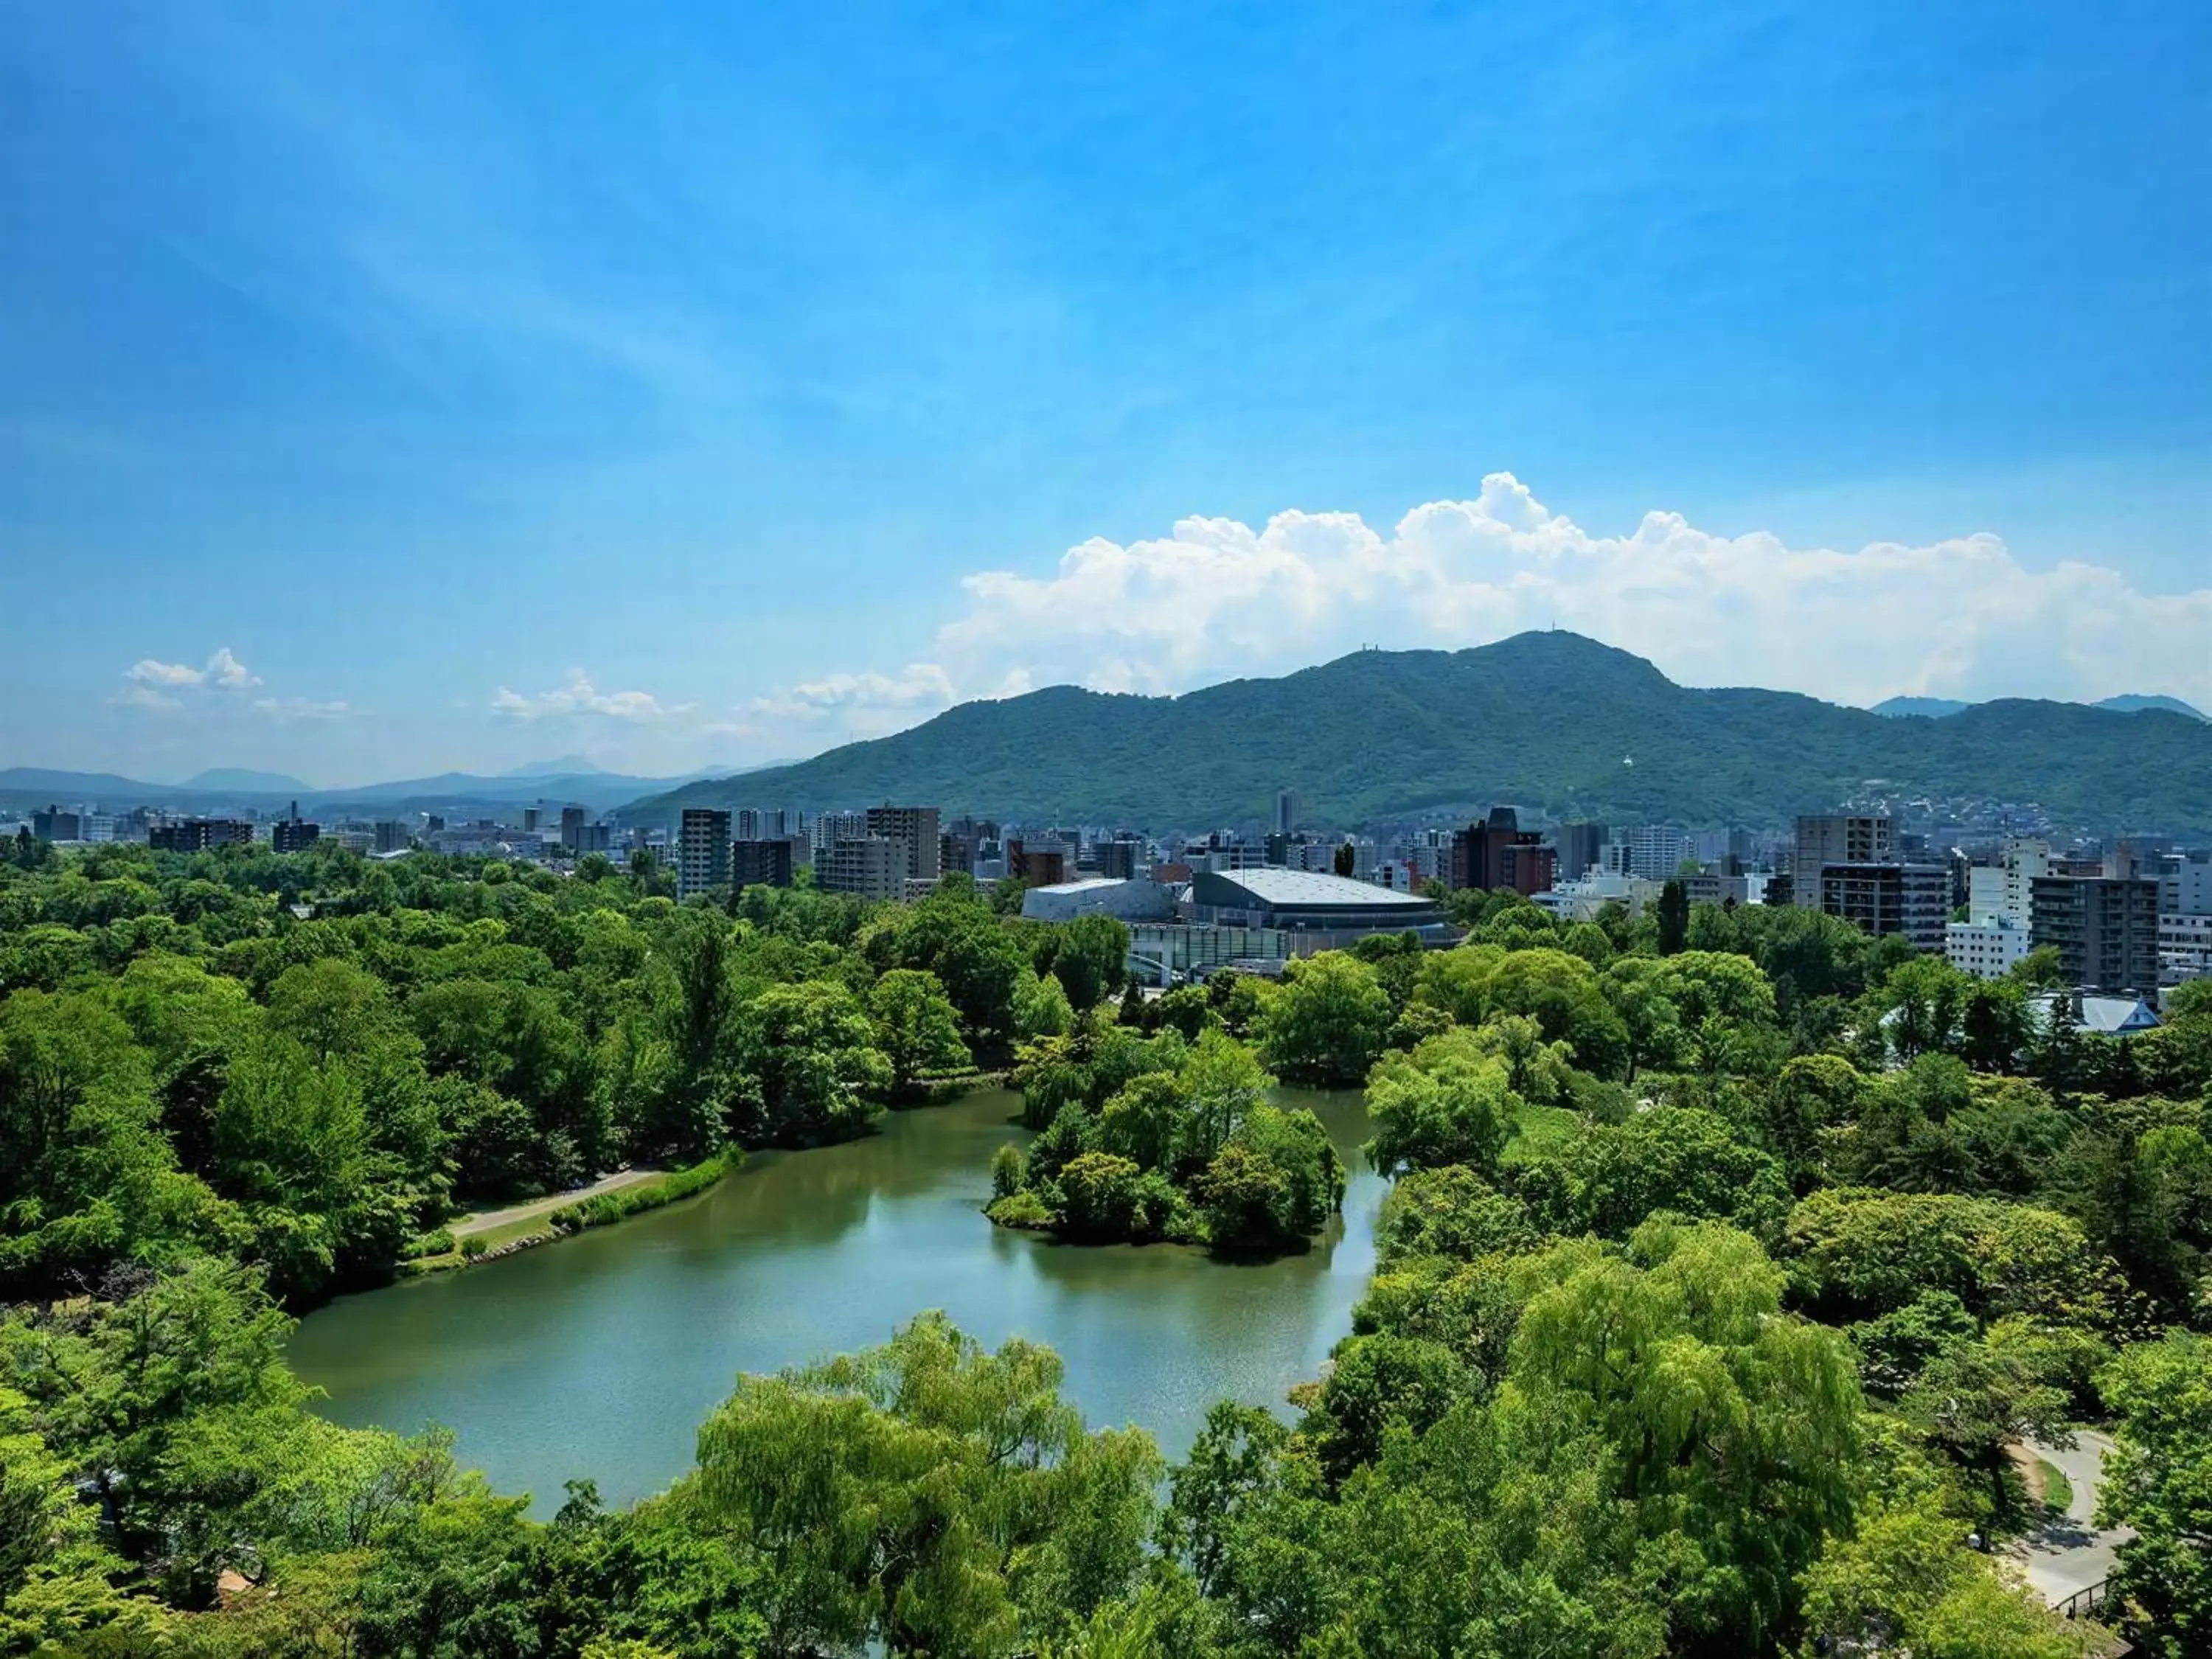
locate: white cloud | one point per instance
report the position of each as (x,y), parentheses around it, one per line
(919,685)
(161,687)
(579,698)
(1217,598)
(147,671)
(144,696)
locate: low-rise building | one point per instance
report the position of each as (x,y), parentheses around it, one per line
(1124,899)
(199,835)
(1987,950)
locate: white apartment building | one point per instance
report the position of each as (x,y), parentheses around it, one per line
(2184,890)
(2184,947)
(831,828)
(1652,852)
(1986,949)
(2005,888)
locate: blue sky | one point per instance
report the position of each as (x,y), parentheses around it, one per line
(665,382)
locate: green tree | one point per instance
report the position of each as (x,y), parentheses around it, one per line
(1327,1021)
(1090,959)
(898,1494)
(1450,1101)
(1674,913)
(916,1026)
(813,1051)
(2159,1481)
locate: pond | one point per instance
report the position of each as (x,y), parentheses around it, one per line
(598,1357)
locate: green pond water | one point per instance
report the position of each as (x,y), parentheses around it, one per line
(599,1356)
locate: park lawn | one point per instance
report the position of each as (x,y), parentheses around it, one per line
(2057,1489)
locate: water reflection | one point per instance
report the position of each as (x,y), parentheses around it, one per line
(599,1356)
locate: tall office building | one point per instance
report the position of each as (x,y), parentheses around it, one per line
(572,827)
(1825,838)
(914,827)
(1581,849)
(702,851)
(1286,810)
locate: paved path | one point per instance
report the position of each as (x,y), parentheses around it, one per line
(485,1220)
(2069,1554)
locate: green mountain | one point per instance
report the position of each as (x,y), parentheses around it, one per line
(1548,719)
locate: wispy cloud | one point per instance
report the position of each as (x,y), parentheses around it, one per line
(580,699)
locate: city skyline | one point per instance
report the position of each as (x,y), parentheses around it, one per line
(399,392)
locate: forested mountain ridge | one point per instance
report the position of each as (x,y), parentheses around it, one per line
(1548,719)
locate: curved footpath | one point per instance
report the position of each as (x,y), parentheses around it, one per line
(2067,1553)
(484,1220)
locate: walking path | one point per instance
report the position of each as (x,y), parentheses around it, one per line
(2067,1554)
(485,1220)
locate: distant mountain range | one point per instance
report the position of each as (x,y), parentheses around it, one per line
(235,789)
(239,777)
(1551,720)
(2131,703)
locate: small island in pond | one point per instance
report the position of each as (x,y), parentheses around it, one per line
(1150,1138)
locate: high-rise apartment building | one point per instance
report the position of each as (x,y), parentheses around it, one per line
(703,850)
(1828,838)
(2103,927)
(1286,810)
(867,866)
(760,864)
(2006,888)
(1912,899)
(914,827)
(292,834)
(1651,851)
(572,827)
(831,828)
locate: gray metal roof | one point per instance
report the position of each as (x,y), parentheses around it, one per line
(1273,885)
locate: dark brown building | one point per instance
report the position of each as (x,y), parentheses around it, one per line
(1498,855)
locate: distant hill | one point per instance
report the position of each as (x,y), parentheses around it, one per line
(569,766)
(1549,719)
(1934,708)
(2131,703)
(239,777)
(235,789)
(2136,701)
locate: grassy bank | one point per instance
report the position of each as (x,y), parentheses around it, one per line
(599,1210)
